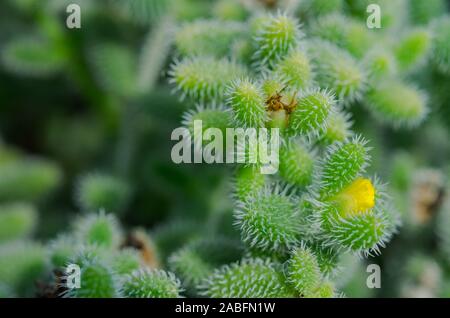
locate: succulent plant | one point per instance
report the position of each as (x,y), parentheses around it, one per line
(303,111)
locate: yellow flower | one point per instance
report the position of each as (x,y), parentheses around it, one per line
(358,197)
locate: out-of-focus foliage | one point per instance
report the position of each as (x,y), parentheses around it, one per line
(86,175)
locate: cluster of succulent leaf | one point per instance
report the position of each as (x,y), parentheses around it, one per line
(304,80)
(321,203)
(146,227)
(422,196)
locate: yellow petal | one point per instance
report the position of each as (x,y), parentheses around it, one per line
(357,197)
